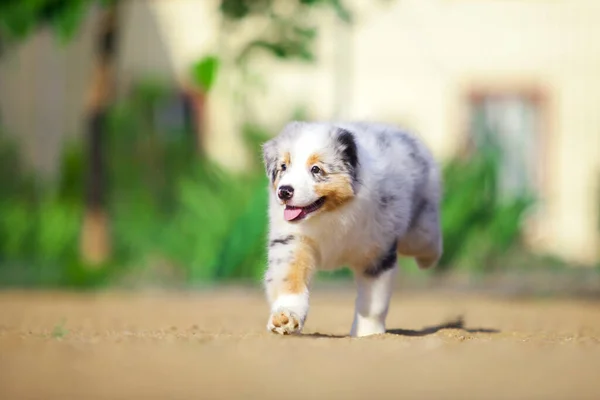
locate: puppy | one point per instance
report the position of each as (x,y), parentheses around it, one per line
(348,194)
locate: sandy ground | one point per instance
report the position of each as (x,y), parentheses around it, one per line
(213,345)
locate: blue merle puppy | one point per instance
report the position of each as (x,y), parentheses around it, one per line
(347,194)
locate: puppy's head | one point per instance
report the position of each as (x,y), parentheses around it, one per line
(312,167)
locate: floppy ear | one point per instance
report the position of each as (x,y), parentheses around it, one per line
(269,152)
(346,147)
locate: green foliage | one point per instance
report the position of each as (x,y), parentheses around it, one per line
(168,204)
(242,254)
(240,9)
(20,18)
(478,224)
(291,33)
(204,72)
(39,227)
(13,178)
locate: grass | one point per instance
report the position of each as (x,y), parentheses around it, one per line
(59,331)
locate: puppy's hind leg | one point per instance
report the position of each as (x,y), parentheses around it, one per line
(423,241)
(374,291)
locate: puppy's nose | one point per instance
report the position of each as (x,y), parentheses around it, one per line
(285,192)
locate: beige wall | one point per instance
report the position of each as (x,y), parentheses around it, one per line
(412,62)
(42,90)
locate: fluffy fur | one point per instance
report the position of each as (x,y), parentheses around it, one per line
(348,194)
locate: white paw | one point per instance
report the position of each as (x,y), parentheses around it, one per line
(367,327)
(284,322)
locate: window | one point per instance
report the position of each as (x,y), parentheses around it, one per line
(513,122)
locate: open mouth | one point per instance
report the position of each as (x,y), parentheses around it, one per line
(293,213)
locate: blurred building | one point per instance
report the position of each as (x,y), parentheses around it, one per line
(530,69)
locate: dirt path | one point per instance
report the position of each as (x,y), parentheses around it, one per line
(214,346)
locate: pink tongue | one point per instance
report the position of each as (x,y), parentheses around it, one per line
(291,213)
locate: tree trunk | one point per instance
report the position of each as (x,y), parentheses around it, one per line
(95,245)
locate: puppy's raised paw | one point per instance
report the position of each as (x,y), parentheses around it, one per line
(284,322)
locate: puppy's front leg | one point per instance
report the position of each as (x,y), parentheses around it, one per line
(292,262)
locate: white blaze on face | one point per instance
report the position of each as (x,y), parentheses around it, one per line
(301,181)
(298,175)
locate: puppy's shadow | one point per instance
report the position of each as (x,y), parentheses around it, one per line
(457,323)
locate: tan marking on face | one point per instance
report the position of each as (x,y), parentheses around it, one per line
(302,266)
(338,191)
(285,160)
(314,158)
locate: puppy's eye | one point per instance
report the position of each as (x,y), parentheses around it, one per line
(283,167)
(315,170)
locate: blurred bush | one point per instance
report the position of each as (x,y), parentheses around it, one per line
(168,202)
(168,206)
(479,224)
(39,225)
(176,216)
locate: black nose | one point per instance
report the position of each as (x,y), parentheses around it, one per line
(285,192)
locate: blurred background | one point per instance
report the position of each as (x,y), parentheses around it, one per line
(130,129)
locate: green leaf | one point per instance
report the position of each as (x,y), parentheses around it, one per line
(66,17)
(19,18)
(234,9)
(204,72)
(341,10)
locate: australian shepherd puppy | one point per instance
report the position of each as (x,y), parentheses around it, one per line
(349,195)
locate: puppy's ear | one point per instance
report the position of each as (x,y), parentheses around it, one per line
(346,147)
(270,155)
